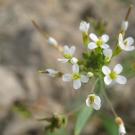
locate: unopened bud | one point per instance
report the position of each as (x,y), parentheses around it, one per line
(124,25)
(52,41)
(120,123)
(90,74)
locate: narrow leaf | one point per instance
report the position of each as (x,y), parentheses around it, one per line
(82,119)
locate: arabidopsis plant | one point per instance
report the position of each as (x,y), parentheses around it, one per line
(95,63)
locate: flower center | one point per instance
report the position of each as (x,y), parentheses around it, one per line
(68,56)
(92,99)
(76,76)
(113,75)
(99,43)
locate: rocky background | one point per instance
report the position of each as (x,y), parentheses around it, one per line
(23,51)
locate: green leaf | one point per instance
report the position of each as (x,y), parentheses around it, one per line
(109,124)
(82,119)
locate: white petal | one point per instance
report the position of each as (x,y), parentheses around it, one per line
(66,50)
(120,38)
(76,84)
(122,129)
(107,53)
(118,68)
(129,48)
(122,46)
(84,78)
(84,26)
(63,60)
(93,37)
(121,79)
(96,106)
(67,77)
(72,50)
(97,100)
(75,68)
(105,38)
(107,80)
(87,101)
(129,40)
(106,70)
(52,41)
(92,45)
(105,46)
(74,60)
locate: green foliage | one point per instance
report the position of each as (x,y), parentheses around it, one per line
(61,131)
(82,119)
(109,124)
(129,65)
(22,110)
(92,61)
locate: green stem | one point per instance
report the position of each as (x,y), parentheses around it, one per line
(107,99)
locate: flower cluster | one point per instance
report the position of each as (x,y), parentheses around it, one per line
(95,62)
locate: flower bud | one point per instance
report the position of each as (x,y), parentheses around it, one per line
(52,41)
(124,25)
(121,127)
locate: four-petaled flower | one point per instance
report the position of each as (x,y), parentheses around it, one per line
(84,26)
(126,44)
(100,42)
(93,101)
(113,75)
(76,77)
(68,55)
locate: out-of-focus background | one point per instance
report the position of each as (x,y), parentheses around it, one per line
(23,51)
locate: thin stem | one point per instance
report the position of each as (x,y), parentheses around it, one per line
(43,33)
(128,12)
(93,87)
(108,101)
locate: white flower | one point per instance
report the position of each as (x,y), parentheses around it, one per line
(98,41)
(122,130)
(113,75)
(124,25)
(68,55)
(52,41)
(84,26)
(52,72)
(76,77)
(93,101)
(126,44)
(108,54)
